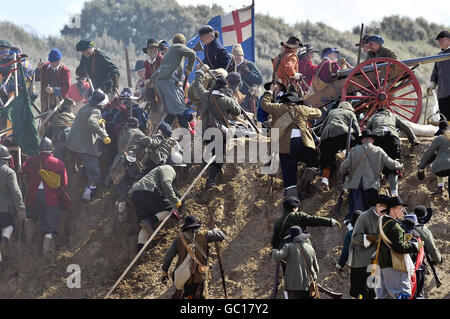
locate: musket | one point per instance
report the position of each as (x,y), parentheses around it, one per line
(159,227)
(433,269)
(329,292)
(127,62)
(222,272)
(360,43)
(337,208)
(276,283)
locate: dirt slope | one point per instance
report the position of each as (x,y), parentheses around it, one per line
(93,238)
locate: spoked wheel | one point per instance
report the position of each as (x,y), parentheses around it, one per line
(383,82)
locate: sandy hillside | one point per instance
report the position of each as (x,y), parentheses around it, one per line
(92,237)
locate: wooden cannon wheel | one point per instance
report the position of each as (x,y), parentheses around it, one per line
(383,82)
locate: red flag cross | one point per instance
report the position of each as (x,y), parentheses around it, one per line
(237,26)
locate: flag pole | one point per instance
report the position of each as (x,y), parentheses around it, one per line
(16,82)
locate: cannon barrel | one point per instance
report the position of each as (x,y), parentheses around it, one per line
(410,62)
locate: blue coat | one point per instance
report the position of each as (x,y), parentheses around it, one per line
(216,56)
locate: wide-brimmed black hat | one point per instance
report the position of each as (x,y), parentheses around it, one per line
(380,199)
(191,222)
(127,93)
(393,202)
(140,65)
(291,97)
(309,48)
(443,126)
(291,203)
(152,43)
(443,34)
(269,84)
(98,98)
(423,214)
(367,134)
(297,235)
(292,43)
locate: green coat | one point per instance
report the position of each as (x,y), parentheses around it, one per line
(296,276)
(395,233)
(174,61)
(369,169)
(430,247)
(367,223)
(441,147)
(161,178)
(388,121)
(302,114)
(105,74)
(10,194)
(383,52)
(295,219)
(228,105)
(86,135)
(337,122)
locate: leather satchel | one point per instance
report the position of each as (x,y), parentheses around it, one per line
(202,269)
(313,287)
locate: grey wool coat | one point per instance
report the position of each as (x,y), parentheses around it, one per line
(86,135)
(296,276)
(369,168)
(10,195)
(337,122)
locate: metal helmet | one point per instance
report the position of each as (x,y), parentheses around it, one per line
(4,153)
(46,145)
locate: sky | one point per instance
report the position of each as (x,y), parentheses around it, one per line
(47,17)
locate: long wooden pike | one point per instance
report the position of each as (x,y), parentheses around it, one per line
(159,228)
(127,62)
(360,43)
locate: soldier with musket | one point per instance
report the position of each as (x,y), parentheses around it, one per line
(285,65)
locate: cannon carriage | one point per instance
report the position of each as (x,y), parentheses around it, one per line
(376,83)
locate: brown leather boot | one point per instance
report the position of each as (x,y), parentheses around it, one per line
(4,246)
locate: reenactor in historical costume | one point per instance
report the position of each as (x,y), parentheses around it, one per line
(385,125)
(219,106)
(378,50)
(250,75)
(153,197)
(423,217)
(94,63)
(59,128)
(365,164)
(285,65)
(216,56)
(333,138)
(395,282)
(163,47)
(301,263)
(307,67)
(439,154)
(440,77)
(42,196)
(192,242)
(11,201)
(168,80)
(84,139)
(55,80)
(291,216)
(139,68)
(362,247)
(364,44)
(297,143)
(328,66)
